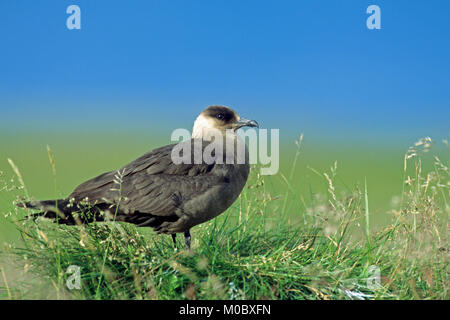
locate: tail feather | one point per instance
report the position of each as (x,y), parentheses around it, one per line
(41,205)
(61,211)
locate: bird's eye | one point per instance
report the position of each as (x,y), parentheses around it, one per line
(220,116)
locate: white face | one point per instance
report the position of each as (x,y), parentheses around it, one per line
(218,118)
(205,128)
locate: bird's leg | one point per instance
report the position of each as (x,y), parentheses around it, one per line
(174,239)
(187,239)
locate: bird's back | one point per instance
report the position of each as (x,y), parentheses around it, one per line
(156,190)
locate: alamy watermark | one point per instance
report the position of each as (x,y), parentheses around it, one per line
(373,282)
(374,20)
(229,148)
(74,280)
(353,288)
(74,20)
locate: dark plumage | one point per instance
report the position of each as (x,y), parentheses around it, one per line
(153,191)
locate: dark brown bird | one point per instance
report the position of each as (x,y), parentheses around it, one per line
(158,191)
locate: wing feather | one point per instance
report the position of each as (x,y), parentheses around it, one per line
(151,184)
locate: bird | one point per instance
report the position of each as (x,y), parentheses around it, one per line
(157,190)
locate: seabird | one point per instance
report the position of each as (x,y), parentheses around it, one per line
(155,191)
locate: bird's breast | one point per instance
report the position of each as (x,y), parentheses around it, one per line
(219,196)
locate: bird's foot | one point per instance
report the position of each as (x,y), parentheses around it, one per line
(174,239)
(187,239)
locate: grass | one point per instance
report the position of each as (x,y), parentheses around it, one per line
(257,249)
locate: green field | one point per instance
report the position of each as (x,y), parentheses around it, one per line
(315,231)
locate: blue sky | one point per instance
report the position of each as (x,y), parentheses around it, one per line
(301,66)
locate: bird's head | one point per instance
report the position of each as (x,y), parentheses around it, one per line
(220,118)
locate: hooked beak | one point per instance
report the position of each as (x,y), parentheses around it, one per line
(245,123)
